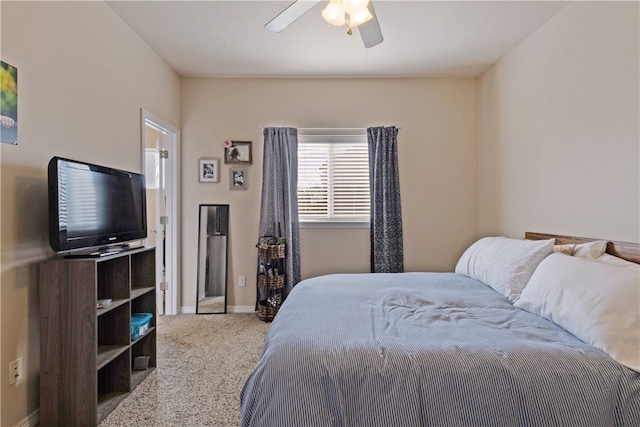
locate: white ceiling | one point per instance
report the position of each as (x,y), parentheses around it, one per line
(421,38)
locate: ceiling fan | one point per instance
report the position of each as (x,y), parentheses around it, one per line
(352,13)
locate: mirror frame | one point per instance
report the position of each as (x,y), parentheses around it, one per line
(226,260)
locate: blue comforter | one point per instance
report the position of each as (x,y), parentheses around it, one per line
(428,349)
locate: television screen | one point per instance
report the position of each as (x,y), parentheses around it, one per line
(93,206)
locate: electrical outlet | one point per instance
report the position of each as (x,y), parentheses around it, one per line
(15,371)
(242,281)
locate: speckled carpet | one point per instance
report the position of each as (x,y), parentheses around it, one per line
(203,362)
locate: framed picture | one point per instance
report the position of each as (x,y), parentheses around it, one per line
(238,179)
(209,170)
(238,153)
(8,103)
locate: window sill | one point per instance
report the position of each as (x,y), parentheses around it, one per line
(334,224)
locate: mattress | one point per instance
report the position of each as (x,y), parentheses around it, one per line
(420,349)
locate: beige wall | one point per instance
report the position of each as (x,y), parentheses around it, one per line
(83,76)
(558,131)
(437,155)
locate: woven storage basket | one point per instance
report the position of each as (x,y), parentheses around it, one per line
(267,312)
(268,248)
(273,282)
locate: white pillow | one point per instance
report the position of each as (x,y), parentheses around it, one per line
(594,300)
(502,263)
(590,249)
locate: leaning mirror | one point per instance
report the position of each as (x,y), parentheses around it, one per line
(212,259)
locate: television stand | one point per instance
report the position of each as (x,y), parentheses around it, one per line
(88,353)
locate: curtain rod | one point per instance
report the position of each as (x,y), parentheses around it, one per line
(333,129)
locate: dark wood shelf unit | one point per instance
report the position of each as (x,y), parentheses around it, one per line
(143,346)
(135,293)
(143,267)
(114,304)
(106,353)
(140,338)
(87,352)
(107,402)
(138,376)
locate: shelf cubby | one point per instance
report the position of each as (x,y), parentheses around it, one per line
(143,346)
(143,266)
(145,303)
(114,327)
(113,278)
(135,293)
(114,304)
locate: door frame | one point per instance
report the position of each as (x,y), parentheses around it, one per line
(173,229)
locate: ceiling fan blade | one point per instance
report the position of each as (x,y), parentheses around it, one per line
(370,30)
(290,14)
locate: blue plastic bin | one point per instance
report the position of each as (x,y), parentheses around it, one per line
(140,324)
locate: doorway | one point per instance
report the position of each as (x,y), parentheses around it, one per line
(160,164)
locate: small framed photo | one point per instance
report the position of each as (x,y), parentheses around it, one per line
(238,153)
(209,170)
(238,179)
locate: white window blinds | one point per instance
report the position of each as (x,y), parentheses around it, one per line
(333,176)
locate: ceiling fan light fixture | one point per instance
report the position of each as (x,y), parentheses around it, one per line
(334,13)
(352,13)
(360,17)
(353,7)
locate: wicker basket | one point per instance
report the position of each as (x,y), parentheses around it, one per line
(270,286)
(268,248)
(267,312)
(270,282)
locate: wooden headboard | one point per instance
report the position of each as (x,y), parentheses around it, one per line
(624,250)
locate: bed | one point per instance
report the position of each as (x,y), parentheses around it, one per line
(447,349)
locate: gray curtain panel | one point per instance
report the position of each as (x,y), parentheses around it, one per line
(279,207)
(386,213)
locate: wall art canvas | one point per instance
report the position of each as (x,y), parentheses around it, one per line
(8,103)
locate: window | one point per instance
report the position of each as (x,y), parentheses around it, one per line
(333,176)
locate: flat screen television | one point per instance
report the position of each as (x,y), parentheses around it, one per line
(94,209)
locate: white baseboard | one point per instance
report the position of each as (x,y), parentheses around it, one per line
(32,420)
(188,310)
(241,308)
